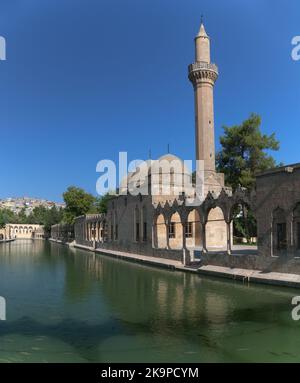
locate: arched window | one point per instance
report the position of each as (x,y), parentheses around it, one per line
(137,224)
(116,225)
(279,230)
(144,224)
(296,227)
(175,232)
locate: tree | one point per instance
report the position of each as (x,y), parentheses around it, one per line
(6,216)
(22,217)
(245,152)
(102,202)
(52,217)
(78,202)
(38,215)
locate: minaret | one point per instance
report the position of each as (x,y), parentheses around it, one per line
(203,74)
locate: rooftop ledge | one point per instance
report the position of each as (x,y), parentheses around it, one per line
(280,169)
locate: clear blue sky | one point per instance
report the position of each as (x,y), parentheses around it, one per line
(85,79)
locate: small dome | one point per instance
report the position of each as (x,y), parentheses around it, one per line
(169,157)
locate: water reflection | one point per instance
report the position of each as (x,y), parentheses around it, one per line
(96,308)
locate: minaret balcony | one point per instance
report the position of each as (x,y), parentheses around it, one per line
(202,71)
(203,65)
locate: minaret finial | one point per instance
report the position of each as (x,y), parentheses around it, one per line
(202,32)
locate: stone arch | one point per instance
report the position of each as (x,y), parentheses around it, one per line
(242,215)
(216,229)
(160,232)
(193,229)
(175,231)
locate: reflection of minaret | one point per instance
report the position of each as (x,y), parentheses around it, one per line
(203,74)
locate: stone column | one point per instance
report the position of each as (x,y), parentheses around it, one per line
(228,226)
(183,224)
(90,231)
(167,235)
(204,249)
(154,235)
(185,255)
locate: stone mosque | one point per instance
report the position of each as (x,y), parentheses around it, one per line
(165,225)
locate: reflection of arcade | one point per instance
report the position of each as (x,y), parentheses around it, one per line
(139,293)
(147,299)
(22,247)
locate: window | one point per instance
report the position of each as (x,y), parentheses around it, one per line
(111,232)
(188,230)
(172,230)
(281,236)
(172,177)
(116,232)
(137,232)
(298,235)
(145,232)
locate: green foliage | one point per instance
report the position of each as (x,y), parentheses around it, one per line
(46,217)
(40,216)
(245,152)
(102,202)
(78,202)
(6,216)
(244,223)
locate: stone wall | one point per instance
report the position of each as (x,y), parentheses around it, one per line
(277,196)
(62,232)
(285,264)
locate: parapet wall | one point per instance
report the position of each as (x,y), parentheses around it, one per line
(134,248)
(281,264)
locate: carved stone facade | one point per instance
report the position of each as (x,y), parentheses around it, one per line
(172,230)
(162,223)
(167,225)
(22,231)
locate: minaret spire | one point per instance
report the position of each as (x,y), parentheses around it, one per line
(203,74)
(202,32)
